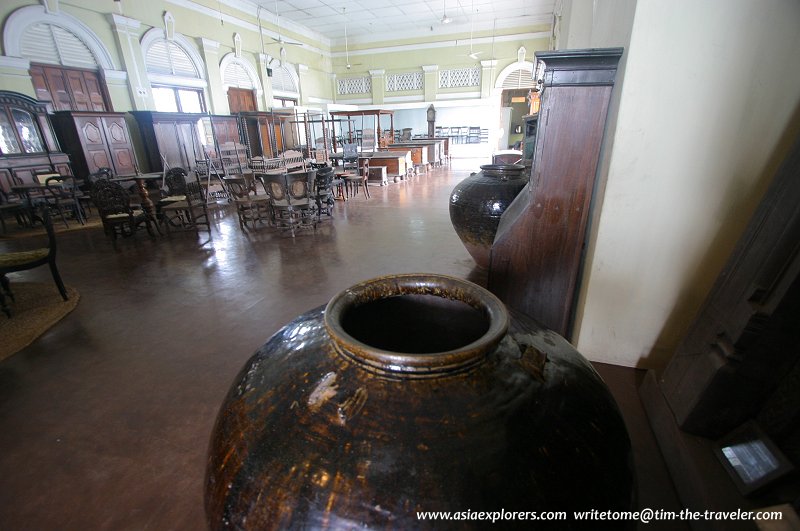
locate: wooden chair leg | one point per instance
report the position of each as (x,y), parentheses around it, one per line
(3,306)
(57,279)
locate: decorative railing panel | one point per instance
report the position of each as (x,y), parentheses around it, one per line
(354,85)
(460,77)
(404,81)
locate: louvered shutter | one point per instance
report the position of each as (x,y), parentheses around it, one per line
(182,64)
(521,78)
(50,44)
(166,57)
(236,76)
(158,58)
(282,80)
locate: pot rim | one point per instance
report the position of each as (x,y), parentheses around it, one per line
(411,365)
(506,167)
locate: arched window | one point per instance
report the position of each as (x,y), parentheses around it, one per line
(240,81)
(238,73)
(285,85)
(175,70)
(516,76)
(65,58)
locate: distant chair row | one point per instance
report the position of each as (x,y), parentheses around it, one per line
(462,134)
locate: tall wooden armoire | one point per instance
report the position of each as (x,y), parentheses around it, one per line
(538,249)
(174,139)
(96,140)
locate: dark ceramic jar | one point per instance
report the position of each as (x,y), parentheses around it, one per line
(477,202)
(413,393)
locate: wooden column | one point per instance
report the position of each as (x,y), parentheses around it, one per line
(538,249)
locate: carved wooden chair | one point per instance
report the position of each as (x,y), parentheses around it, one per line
(324,191)
(64,197)
(29,259)
(293,205)
(119,218)
(300,189)
(251,205)
(175,182)
(191,212)
(13,206)
(350,157)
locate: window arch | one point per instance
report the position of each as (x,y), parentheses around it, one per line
(516,76)
(34,34)
(285,81)
(174,58)
(238,73)
(175,70)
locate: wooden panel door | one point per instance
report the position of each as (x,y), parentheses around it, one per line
(92,138)
(119,144)
(40,84)
(59,89)
(70,89)
(94,92)
(77,88)
(241,100)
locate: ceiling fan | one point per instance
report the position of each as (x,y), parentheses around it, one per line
(348,65)
(280,40)
(445,18)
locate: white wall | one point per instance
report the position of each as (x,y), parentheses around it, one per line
(709,99)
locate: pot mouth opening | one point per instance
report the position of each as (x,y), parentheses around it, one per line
(416,324)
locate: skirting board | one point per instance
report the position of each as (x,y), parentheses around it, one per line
(701,481)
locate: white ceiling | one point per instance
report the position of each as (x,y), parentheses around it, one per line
(372,20)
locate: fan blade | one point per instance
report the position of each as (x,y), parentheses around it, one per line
(280,40)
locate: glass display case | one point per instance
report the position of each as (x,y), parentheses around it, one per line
(18,132)
(27,143)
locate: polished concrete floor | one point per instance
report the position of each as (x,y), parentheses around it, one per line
(105,420)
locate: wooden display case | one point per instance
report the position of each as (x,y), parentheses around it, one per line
(28,144)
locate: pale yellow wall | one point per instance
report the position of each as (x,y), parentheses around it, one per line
(709,98)
(204,21)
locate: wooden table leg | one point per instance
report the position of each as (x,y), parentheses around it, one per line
(147,203)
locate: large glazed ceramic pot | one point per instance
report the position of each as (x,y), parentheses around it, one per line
(477,202)
(413,393)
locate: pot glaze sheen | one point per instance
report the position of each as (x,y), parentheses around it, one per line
(477,202)
(413,393)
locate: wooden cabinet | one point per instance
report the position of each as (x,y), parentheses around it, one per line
(264,132)
(96,140)
(174,139)
(538,249)
(27,142)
